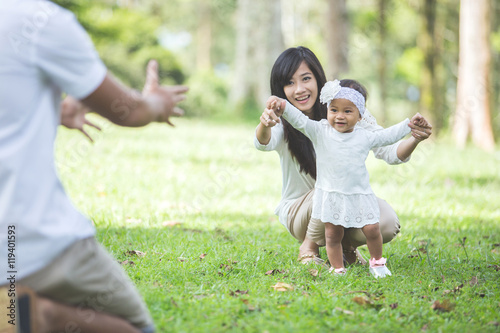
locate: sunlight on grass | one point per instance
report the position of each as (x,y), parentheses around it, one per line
(198,199)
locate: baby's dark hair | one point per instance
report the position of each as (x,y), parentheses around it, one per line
(353,84)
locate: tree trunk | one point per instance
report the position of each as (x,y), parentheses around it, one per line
(204,36)
(382,60)
(267,45)
(431,101)
(337,38)
(276,33)
(472,116)
(240,85)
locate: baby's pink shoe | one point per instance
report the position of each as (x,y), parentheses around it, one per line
(378,268)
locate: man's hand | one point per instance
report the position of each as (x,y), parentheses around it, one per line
(167,96)
(73,116)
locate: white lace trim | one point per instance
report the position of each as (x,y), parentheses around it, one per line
(368,118)
(347,210)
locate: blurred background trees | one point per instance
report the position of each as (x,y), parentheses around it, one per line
(440,58)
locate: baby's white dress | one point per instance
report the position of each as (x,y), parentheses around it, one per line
(343,195)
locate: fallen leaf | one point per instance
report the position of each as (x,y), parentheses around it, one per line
(494,323)
(127,262)
(393,305)
(313,272)
(174,303)
(135,253)
(496,267)
(193,230)
(226,267)
(170,223)
(276,271)
(445,306)
(222,233)
(423,250)
(454,290)
(496,245)
(282,286)
(413,256)
(358,292)
(238,292)
(250,307)
(473,281)
(425,327)
(362,300)
(203,255)
(347,312)
(182,259)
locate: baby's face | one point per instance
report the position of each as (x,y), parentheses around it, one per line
(343,115)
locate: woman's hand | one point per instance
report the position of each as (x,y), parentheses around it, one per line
(269,118)
(420,127)
(274,109)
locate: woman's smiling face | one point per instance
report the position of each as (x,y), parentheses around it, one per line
(302,89)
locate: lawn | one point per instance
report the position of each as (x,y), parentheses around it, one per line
(189,213)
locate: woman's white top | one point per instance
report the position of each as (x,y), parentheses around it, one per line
(296,183)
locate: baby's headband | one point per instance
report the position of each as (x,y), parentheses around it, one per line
(332,90)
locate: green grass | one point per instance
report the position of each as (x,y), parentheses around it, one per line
(209,178)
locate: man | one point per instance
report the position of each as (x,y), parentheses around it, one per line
(46,245)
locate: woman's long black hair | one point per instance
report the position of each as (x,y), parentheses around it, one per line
(284,68)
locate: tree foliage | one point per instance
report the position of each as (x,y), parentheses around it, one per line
(126,40)
(127,33)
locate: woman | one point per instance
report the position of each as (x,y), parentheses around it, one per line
(298,76)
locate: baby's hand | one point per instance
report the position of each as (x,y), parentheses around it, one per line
(421,129)
(418,120)
(274,109)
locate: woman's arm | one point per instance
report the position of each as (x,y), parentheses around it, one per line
(263,133)
(420,130)
(268,119)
